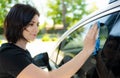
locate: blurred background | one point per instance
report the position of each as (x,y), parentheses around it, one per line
(56,17)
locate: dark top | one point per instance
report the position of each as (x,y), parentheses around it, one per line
(13,60)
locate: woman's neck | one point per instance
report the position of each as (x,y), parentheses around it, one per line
(21,44)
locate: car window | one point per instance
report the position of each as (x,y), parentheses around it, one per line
(111,1)
(115,28)
(73,43)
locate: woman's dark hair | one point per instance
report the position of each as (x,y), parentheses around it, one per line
(17,19)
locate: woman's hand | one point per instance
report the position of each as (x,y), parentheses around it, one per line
(89,41)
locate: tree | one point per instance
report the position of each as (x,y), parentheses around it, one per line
(67,12)
(4,8)
(54,11)
(4,5)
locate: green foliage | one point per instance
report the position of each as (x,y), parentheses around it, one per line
(73,10)
(46,37)
(1,30)
(55,11)
(49,37)
(76,34)
(4,8)
(0,42)
(5,5)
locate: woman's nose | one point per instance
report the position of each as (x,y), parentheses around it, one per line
(36,29)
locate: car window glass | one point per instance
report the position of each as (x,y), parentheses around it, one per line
(73,43)
(115,29)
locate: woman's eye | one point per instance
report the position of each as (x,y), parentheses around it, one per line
(30,24)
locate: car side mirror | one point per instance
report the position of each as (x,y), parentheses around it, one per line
(42,60)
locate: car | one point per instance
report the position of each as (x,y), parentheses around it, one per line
(71,42)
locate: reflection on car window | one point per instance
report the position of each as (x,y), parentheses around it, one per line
(73,43)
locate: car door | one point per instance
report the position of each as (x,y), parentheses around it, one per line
(71,42)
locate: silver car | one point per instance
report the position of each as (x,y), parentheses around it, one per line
(71,42)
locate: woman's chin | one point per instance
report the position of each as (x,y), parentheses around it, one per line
(31,40)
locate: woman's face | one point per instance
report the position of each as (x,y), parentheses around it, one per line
(31,31)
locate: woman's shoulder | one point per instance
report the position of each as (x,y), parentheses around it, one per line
(5,48)
(10,49)
(10,46)
(11,52)
(13,59)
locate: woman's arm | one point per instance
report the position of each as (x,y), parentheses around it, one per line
(70,68)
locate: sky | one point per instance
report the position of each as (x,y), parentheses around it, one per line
(99,3)
(41,6)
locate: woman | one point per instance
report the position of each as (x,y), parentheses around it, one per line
(21,27)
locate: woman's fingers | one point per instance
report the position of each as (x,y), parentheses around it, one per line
(89,42)
(93,31)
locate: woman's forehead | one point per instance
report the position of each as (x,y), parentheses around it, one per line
(35,18)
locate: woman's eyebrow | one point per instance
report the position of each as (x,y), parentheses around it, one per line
(32,22)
